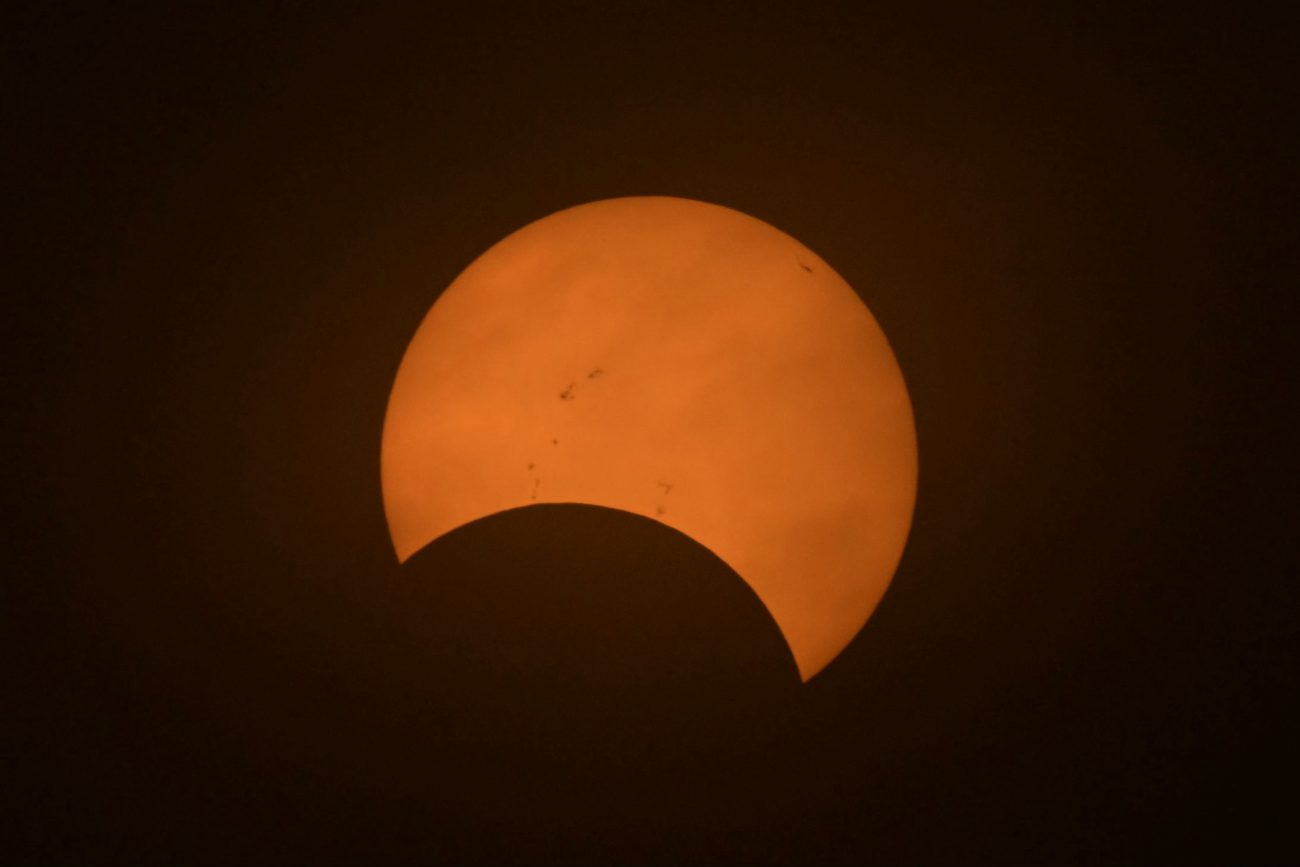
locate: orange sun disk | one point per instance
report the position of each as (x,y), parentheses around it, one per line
(677,360)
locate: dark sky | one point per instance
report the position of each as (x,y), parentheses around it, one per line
(1071,226)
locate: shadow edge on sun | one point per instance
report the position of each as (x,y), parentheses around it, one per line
(564,581)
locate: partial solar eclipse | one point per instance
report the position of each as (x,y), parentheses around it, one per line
(681,361)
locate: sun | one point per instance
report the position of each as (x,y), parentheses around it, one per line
(681,361)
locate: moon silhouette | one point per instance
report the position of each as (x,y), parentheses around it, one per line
(677,360)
